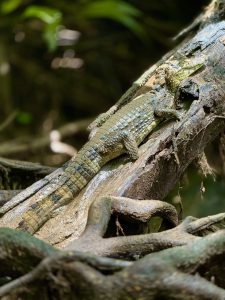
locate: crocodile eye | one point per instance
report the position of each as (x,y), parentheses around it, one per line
(188,91)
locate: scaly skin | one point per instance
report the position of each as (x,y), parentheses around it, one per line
(121,133)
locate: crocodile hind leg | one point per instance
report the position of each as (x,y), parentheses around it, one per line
(131,145)
(126,140)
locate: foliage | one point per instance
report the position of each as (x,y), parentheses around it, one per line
(68,81)
(51,17)
(118,11)
(115,10)
(7,7)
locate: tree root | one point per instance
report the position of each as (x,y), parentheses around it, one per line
(176,273)
(192,271)
(135,246)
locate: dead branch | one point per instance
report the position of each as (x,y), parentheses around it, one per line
(13,148)
(192,267)
(8,121)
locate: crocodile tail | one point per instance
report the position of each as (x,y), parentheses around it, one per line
(77,173)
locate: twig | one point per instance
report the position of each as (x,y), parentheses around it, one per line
(11,148)
(8,120)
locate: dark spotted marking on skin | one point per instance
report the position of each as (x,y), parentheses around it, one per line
(56,197)
(34,205)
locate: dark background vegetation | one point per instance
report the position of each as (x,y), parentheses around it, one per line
(117,41)
(62,61)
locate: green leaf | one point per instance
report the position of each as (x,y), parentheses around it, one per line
(52,19)
(24,118)
(46,14)
(8,6)
(118,11)
(50,36)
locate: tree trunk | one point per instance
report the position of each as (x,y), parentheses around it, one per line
(106,221)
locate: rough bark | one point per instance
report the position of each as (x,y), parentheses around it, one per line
(192,267)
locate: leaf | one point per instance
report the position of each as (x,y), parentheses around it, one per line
(46,14)
(52,19)
(24,118)
(8,6)
(50,36)
(118,11)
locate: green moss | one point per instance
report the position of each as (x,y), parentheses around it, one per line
(25,240)
(20,252)
(180,72)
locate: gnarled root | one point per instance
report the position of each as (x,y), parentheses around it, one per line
(186,272)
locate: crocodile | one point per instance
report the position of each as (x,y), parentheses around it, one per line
(121,132)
